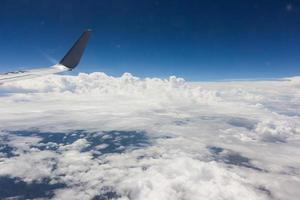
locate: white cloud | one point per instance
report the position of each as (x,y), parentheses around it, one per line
(31,166)
(208,140)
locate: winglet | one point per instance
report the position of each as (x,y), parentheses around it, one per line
(72,58)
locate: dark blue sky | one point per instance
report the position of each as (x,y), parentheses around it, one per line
(197,40)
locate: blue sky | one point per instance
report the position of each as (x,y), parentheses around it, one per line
(197,40)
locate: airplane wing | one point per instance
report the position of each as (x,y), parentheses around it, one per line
(68,63)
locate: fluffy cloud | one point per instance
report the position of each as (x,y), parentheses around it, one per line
(130,138)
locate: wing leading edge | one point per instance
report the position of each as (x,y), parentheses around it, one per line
(68,63)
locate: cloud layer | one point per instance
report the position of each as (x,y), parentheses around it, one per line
(93,136)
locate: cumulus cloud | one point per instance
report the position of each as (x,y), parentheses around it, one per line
(130,138)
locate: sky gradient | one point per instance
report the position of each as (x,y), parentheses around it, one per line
(196,40)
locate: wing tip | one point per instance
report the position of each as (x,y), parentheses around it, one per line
(72,58)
